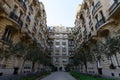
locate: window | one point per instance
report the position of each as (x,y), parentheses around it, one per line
(63,49)
(64,40)
(96,17)
(57,53)
(57,47)
(15,8)
(71,53)
(64,53)
(112,74)
(64,60)
(7,35)
(56,59)
(102,16)
(64,35)
(57,42)
(57,50)
(57,35)
(63,43)
(72,42)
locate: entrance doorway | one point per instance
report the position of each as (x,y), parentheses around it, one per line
(15,70)
(60,69)
(100,71)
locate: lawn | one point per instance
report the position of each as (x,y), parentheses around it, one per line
(79,76)
(37,76)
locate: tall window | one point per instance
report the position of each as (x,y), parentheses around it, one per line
(56,59)
(15,8)
(7,35)
(102,16)
(63,49)
(20,14)
(96,17)
(63,43)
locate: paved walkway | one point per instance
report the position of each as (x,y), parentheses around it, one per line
(10,77)
(59,76)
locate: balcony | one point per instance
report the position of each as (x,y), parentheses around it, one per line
(64,54)
(80,36)
(34,29)
(28,19)
(22,4)
(96,7)
(71,49)
(4,8)
(114,10)
(85,32)
(89,36)
(71,44)
(49,54)
(16,18)
(20,22)
(71,55)
(30,7)
(13,16)
(90,23)
(99,23)
(36,19)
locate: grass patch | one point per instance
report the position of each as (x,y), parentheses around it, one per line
(37,76)
(79,76)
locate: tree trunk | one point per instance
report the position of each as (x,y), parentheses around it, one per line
(111,60)
(38,68)
(22,66)
(85,63)
(2,61)
(33,65)
(117,60)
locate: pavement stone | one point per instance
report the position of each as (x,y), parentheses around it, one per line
(59,76)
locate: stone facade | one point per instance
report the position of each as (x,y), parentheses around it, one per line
(61,46)
(96,20)
(21,20)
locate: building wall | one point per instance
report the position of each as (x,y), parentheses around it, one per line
(21,21)
(93,19)
(60,45)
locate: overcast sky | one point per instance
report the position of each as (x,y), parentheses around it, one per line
(61,11)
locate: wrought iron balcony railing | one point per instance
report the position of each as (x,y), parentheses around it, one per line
(96,7)
(16,18)
(115,8)
(23,4)
(99,23)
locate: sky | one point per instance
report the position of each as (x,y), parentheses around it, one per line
(61,12)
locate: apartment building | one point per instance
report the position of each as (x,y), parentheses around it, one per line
(25,21)
(96,21)
(61,46)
